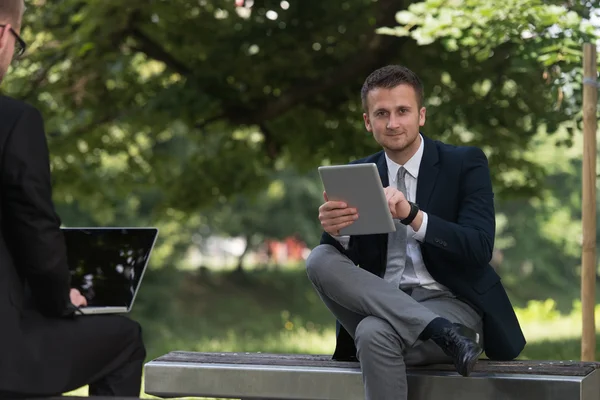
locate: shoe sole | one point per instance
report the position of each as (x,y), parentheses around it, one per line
(471,363)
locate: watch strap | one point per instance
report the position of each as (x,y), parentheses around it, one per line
(414,210)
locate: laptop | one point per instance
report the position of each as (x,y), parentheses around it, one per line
(107,265)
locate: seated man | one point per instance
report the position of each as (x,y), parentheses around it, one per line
(426,292)
(45,349)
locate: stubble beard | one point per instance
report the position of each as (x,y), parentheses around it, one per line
(402,146)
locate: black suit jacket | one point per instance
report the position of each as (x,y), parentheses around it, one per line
(33,262)
(455,190)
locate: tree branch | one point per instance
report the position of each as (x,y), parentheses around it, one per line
(365,60)
(41,75)
(272,148)
(375,53)
(208,121)
(154,50)
(81,131)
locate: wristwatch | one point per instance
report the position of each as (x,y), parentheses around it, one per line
(414,210)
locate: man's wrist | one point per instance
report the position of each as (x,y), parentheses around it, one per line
(405,209)
(417,222)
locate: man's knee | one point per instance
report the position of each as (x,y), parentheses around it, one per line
(319,260)
(133,331)
(139,341)
(373,333)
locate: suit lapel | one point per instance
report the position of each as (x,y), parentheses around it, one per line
(428,171)
(383,170)
(382,238)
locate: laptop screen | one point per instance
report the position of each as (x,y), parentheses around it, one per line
(107,264)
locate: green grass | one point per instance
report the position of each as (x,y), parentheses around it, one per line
(553,335)
(561,349)
(257,311)
(278,311)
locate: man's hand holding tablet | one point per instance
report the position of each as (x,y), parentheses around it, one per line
(335,215)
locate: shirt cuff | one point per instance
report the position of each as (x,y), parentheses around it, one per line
(343,239)
(420,234)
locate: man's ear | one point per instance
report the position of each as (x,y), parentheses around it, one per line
(367,122)
(422,113)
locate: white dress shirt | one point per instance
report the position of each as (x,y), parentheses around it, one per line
(424,279)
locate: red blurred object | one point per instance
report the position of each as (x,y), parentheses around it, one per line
(239,3)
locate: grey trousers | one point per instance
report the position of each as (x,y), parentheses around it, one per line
(384,321)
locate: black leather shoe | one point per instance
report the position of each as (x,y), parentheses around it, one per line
(460,343)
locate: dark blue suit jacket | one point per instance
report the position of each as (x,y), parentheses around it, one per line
(455,190)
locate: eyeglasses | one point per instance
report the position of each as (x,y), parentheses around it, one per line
(20,45)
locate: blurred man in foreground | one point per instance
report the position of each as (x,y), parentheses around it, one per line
(45,349)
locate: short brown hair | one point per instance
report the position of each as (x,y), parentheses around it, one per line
(11,12)
(389,77)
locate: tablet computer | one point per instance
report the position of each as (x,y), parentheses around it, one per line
(359,186)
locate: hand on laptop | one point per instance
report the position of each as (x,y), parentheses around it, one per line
(77,299)
(335,215)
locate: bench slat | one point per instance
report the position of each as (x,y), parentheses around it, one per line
(559,368)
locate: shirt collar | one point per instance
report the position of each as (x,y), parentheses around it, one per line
(411,166)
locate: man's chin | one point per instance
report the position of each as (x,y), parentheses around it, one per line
(397,145)
(396,149)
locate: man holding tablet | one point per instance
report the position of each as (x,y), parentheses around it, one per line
(424,293)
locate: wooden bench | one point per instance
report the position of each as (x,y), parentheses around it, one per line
(317,377)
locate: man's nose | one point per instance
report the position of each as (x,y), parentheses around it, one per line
(393,122)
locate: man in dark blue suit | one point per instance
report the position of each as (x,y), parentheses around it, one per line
(426,292)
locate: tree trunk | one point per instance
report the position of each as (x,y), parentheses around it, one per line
(240,264)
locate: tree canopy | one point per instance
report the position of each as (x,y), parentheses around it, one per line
(187,103)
